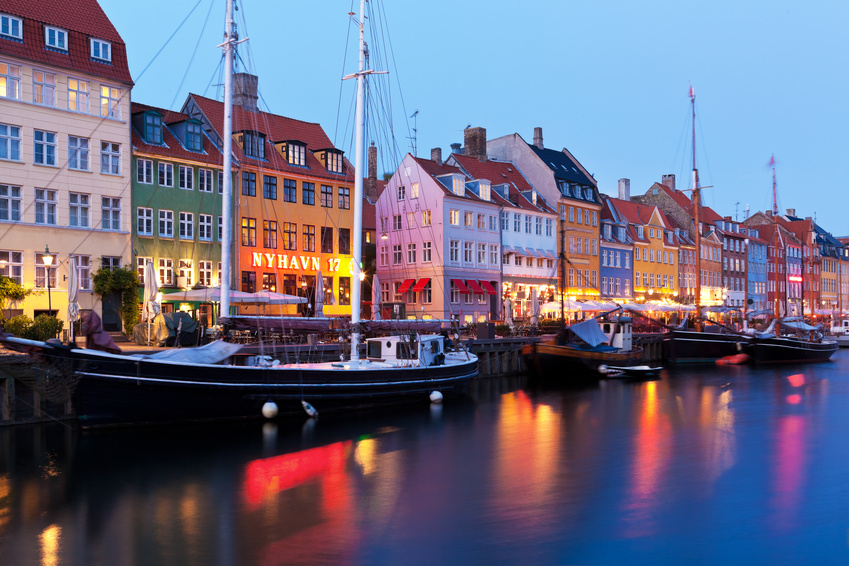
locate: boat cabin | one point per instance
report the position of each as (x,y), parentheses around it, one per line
(618,331)
(428,349)
(840,327)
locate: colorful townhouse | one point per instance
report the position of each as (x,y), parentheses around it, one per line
(65,173)
(617,253)
(756,270)
(176,201)
(528,226)
(292,201)
(734,257)
(562,180)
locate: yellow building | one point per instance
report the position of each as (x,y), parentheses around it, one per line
(64,154)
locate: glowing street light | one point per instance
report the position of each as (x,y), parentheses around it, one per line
(48,258)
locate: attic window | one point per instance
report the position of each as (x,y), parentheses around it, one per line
(296,154)
(11,26)
(101,50)
(485,192)
(153,128)
(253,145)
(334,162)
(56,38)
(194,136)
(459,187)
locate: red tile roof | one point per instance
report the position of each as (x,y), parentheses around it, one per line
(171,146)
(82,19)
(501,173)
(275,128)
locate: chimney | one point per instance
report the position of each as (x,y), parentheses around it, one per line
(245,88)
(625,189)
(791,212)
(669,181)
(457,148)
(475,141)
(436,155)
(371,181)
(538,138)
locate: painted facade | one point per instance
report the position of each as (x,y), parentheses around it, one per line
(617,256)
(756,270)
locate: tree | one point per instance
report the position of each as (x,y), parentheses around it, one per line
(125,281)
(12,291)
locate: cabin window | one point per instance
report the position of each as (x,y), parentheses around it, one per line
(406,350)
(374,349)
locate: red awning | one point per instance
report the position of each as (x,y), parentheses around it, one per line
(421,285)
(461,285)
(476,289)
(405,286)
(488,286)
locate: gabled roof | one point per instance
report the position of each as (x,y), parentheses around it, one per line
(564,166)
(83,19)
(172,147)
(503,173)
(275,128)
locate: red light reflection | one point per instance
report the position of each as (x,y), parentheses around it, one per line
(797,379)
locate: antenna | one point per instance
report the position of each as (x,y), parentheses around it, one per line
(415,117)
(736,211)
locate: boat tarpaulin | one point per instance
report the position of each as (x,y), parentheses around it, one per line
(473,285)
(590,332)
(460,284)
(276,323)
(488,286)
(405,286)
(799,325)
(420,284)
(211,353)
(419,326)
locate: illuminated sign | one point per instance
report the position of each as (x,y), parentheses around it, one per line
(294,262)
(795,279)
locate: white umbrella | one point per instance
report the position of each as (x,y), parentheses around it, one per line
(213,295)
(375,298)
(73,295)
(508,311)
(151,288)
(319,295)
(270,298)
(534,309)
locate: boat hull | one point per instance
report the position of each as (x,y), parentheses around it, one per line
(780,349)
(691,347)
(557,364)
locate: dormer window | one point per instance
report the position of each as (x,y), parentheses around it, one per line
(459,187)
(194,136)
(485,191)
(334,162)
(607,229)
(11,26)
(101,50)
(153,128)
(296,154)
(640,232)
(534,197)
(253,144)
(56,38)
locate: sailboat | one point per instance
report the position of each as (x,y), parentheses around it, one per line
(793,340)
(212,383)
(684,345)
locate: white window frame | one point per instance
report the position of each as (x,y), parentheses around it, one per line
(205,227)
(12,265)
(83,271)
(144,171)
(110,209)
(101,50)
(45,206)
(43,88)
(79,209)
(10,81)
(11,203)
(79,153)
(187,226)
(186,270)
(166,271)
(110,102)
(165,170)
(110,158)
(47,142)
(79,95)
(205,180)
(144,221)
(186,178)
(11,25)
(427,252)
(10,142)
(56,38)
(166,223)
(205,273)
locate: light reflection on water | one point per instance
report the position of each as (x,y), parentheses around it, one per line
(704,466)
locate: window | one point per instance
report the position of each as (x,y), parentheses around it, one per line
(187,178)
(110,213)
(467,218)
(44,88)
(166,223)
(166,175)
(10,81)
(396,222)
(45,206)
(290,236)
(248,282)
(411,220)
(269,234)
(426,218)
(493,223)
(12,265)
(402,192)
(205,227)
(344,240)
(454,217)
(221,182)
(309,238)
(595,218)
(41,272)
(11,26)
(110,103)
(290,190)
(427,293)
(194,136)
(426,252)
(411,253)
(78,210)
(166,271)
(10,142)
(505,221)
(254,145)
(468,252)
(482,221)
(269,282)
(144,170)
(327,239)
(384,256)
(527,224)
(56,38)
(482,254)
(327,196)
(334,162)
(249,232)
(220,224)
(397,255)
(344,290)
(517,222)
(538,226)
(144,221)
(110,158)
(186,272)
(493,254)
(454,251)
(296,154)
(10,203)
(83,271)
(455,293)
(205,180)
(308,193)
(153,128)
(205,273)
(249,184)
(344,198)
(45,147)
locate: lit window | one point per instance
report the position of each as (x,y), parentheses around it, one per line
(10,81)
(334,162)
(110,102)
(78,95)
(296,154)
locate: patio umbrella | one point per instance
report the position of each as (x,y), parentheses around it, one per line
(73,295)
(508,311)
(270,298)
(213,295)
(375,298)
(151,288)
(319,295)
(534,309)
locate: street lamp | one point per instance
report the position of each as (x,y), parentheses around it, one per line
(47,258)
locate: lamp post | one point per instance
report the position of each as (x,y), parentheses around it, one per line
(47,258)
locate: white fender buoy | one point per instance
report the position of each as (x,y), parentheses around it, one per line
(310,410)
(269,409)
(436,397)
(602,369)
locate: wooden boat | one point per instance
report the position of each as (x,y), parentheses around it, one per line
(630,372)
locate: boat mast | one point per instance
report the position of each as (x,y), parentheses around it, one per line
(775,239)
(696,229)
(358,192)
(226,190)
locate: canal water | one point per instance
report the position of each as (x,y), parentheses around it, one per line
(719,465)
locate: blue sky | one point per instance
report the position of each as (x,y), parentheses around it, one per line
(606,79)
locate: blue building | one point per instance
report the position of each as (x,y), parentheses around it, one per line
(756,272)
(617,255)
